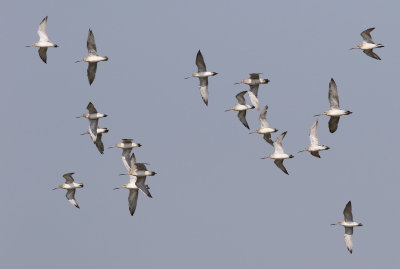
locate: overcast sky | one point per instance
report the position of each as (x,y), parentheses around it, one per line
(216,203)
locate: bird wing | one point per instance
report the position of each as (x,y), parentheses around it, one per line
(333,95)
(204,89)
(71,197)
(132,199)
(372,54)
(314,135)
(240,97)
(42,30)
(333,124)
(93,129)
(91,72)
(255,75)
(90,107)
(201,66)
(99,143)
(366,35)
(315,154)
(267,137)
(140,183)
(348,216)
(43,54)
(279,163)
(126,158)
(253,97)
(348,238)
(242,118)
(133,164)
(254,89)
(278,143)
(68,178)
(263,118)
(91,44)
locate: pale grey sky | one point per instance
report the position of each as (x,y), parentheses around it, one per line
(216,204)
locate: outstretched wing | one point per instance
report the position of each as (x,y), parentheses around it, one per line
(91,72)
(255,75)
(242,118)
(132,199)
(93,129)
(42,30)
(90,107)
(201,66)
(314,135)
(253,96)
(333,95)
(140,183)
(240,97)
(126,158)
(43,54)
(348,215)
(99,143)
(204,89)
(263,118)
(91,44)
(71,197)
(278,143)
(372,54)
(366,35)
(333,124)
(348,238)
(68,178)
(267,137)
(279,163)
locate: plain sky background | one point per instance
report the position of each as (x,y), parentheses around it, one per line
(216,203)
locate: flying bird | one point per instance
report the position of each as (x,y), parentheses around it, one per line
(334,112)
(241,107)
(203,75)
(44,41)
(368,45)
(126,145)
(93,58)
(138,169)
(315,147)
(137,181)
(93,116)
(279,154)
(265,129)
(70,185)
(348,225)
(98,142)
(254,82)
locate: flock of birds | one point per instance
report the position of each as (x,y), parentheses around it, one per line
(138,171)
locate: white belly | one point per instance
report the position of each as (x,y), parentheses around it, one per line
(43,44)
(265,130)
(241,107)
(316,148)
(141,173)
(350,224)
(368,46)
(279,156)
(202,74)
(336,112)
(95,116)
(95,59)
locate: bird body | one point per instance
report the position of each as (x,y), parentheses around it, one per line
(93,58)
(368,44)
(265,129)
(241,107)
(254,81)
(203,75)
(70,185)
(335,112)
(44,41)
(279,154)
(315,146)
(93,116)
(348,224)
